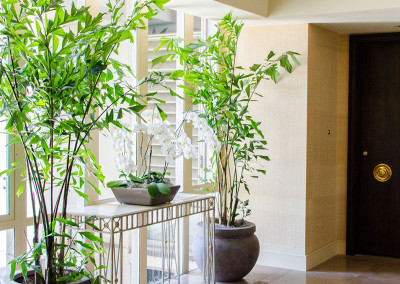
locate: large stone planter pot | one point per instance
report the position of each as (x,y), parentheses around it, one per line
(19,279)
(236,251)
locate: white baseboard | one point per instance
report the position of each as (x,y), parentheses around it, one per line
(302,262)
(297,262)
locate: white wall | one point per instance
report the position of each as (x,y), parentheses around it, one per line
(299,206)
(278,199)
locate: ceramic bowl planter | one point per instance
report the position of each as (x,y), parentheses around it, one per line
(140,196)
(236,251)
(19,279)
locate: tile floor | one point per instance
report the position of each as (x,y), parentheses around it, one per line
(340,269)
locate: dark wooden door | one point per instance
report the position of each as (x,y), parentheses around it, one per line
(374,138)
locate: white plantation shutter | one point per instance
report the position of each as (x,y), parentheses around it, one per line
(171,107)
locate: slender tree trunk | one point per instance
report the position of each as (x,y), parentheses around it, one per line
(50,272)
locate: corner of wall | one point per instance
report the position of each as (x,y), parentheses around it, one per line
(326,145)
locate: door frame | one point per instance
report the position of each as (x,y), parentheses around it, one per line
(354,153)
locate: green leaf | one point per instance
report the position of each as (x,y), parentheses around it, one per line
(294,58)
(152,189)
(7,172)
(24,269)
(13,266)
(163,188)
(177,74)
(117,183)
(255,67)
(160,59)
(270,55)
(137,108)
(84,195)
(97,68)
(37,269)
(162,113)
(175,94)
(91,237)
(272,73)
(136,179)
(127,35)
(96,280)
(264,157)
(95,188)
(45,146)
(93,226)
(55,43)
(91,218)
(11,121)
(255,127)
(194,45)
(229,114)
(21,189)
(67,222)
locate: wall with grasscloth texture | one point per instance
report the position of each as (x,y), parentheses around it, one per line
(299,205)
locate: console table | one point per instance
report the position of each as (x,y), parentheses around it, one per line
(113,219)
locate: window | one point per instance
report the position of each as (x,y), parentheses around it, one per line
(6,250)
(105,152)
(4,180)
(164,25)
(19,229)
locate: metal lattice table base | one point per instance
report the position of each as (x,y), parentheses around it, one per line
(115,219)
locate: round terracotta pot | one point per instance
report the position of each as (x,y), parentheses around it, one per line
(236,251)
(19,279)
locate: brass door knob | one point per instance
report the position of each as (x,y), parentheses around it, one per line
(382,172)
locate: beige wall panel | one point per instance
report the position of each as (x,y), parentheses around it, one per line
(326,139)
(343,117)
(277,199)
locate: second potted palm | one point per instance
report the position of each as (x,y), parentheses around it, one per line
(224,93)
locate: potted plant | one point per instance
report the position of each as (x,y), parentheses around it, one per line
(59,83)
(225,92)
(142,185)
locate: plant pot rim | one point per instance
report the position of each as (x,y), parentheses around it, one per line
(233,232)
(141,188)
(18,273)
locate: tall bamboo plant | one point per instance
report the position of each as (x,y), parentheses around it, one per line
(59,83)
(224,92)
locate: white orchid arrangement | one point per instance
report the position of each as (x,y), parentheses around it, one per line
(174,144)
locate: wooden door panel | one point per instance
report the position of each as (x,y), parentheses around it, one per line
(374,207)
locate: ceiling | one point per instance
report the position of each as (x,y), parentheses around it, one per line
(209,9)
(339,16)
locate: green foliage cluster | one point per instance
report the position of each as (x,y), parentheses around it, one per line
(59,83)
(155,183)
(225,91)
(78,253)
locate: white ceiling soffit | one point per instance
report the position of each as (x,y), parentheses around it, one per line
(342,16)
(217,9)
(355,22)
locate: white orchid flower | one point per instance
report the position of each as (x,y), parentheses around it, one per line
(190,152)
(119,145)
(170,158)
(129,168)
(151,116)
(140,128)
